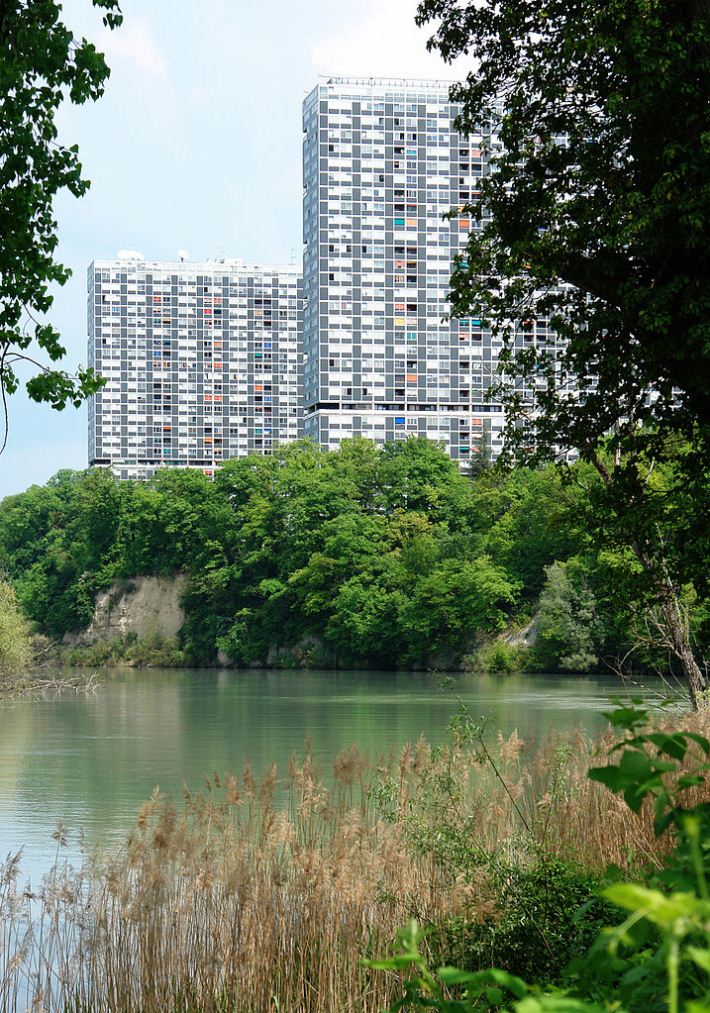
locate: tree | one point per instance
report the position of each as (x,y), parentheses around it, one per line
(594,221)
(618,213)
(41,65)
(417,474)
(569,630)
(533,526)
(457,600)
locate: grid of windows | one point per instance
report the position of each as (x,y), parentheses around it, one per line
(216,360)
(382,164)
(202,363)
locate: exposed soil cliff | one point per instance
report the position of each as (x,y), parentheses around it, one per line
(141,606)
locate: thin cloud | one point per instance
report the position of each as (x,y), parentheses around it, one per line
(135,42)
(385,42)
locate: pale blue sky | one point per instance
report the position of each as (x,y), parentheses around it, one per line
(196,145)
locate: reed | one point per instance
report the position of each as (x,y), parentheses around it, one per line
(266,894)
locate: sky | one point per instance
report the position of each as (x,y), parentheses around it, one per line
(196,145)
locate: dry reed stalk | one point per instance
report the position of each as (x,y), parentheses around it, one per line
(233,903)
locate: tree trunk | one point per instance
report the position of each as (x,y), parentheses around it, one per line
(676,634)
(679,640)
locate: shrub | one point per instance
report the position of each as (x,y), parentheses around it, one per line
(570,631)
(153,651)
(544,916)
(15,648)
(497,656)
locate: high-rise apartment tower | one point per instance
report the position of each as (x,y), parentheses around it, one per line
(202,362)
(382,164)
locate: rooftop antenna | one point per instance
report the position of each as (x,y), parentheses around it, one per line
(220,253)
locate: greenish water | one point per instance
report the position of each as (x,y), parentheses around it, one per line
(90,760)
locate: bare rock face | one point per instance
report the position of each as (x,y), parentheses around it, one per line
(141,606)
(526,637)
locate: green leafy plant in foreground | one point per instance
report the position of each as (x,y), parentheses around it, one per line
(545,914)
(491,988)
(658,958)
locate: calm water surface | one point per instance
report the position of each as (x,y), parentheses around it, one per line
(90,760)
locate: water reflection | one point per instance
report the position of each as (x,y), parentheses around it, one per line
(89,761)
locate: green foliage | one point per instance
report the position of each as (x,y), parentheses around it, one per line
(662,949)
(650,768)
(15,649)
(498,656)
(532,522)
(424,990)
(546,914)
(370,552)
(487,989)
(603,235)
(457,598)
(570,632)
(152,651)
(657,956)
(592,219)
(361,557)
(41,65)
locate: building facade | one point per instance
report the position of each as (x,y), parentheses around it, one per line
(382,164)
(202,362)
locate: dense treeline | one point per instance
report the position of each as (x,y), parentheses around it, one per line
(379,557)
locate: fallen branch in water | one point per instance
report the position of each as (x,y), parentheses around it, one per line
(14,686)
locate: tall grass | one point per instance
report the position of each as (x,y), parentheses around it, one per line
(266,895)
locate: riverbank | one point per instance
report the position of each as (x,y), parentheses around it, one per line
(372,558)
(269,892)
(159,651)
(512,652)
(153,651)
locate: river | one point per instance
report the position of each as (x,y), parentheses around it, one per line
(90,760)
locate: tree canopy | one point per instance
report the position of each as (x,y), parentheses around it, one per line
(372,557)
(41,66)
(593,222)
(597,213)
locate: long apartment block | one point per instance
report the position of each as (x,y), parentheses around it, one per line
(202,362)
(382,164)
(215,360)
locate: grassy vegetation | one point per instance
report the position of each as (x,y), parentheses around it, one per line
(15,642)
(651,948)
(152,651)
(267,895)
(23,655)
(499,655)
